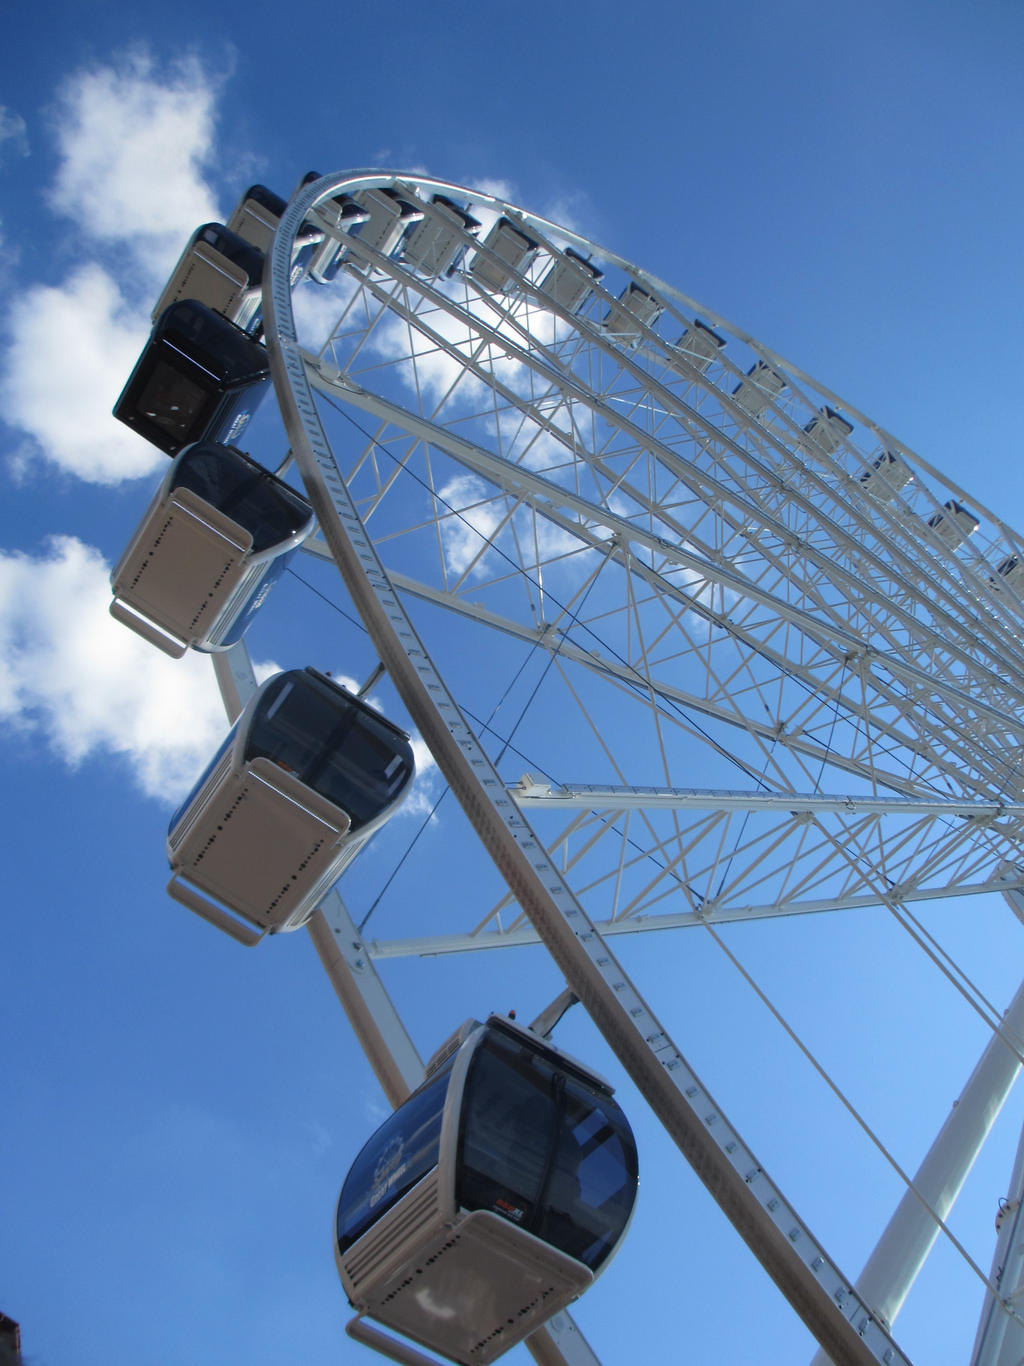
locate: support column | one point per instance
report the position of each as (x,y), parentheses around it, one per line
(892,1268)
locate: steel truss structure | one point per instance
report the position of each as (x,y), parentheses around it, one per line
(790,650)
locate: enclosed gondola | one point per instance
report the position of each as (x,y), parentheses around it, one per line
(304,778)
(199,378)
(255,218)
(438,243)
(490,1199)
(216,537)
(221,270)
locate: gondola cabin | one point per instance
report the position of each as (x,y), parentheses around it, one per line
(887,477)
(570,281)
(389,217)
(826,431)
(436,245)
(199,378)
(255,218)
(335,218)
(490,1199)
(219,532)
(954,524)
(508,251)
(338,217)
(757,389)
(697,348)
(221,270)
(634,310)
(1011,571)
(304,778)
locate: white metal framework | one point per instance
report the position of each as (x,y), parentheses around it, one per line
(788,648)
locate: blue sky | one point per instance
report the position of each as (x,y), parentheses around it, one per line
(839,180)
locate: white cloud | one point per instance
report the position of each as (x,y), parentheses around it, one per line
(71,350)
(424,365)
(468,530)
(134,150)
(316,309)
(13,135)
(90,687)
(72,674)
(423,794)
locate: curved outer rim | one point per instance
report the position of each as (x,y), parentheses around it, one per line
(352,181)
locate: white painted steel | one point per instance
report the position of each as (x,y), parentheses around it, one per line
(1000,1337)
(836,1315)
(900,1254)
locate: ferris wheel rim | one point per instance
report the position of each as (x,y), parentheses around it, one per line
(325,187)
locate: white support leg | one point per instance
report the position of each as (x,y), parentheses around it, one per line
(1000,1339)
(891,1269)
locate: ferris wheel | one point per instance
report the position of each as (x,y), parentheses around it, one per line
(692,640)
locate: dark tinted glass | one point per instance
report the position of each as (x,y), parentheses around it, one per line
(210,341)
(545,1150)
(267,198)
(235,248)
(592,1183)
(240,488)
(401,1152)
(363,769)
(332,743)
(173,402)
(509,1114)
(292,724)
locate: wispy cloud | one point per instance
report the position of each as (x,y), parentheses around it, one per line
(65,409)
(136,147)
(13,134)
(468,532)
(88,686)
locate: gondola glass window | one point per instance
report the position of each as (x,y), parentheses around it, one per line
(198,377)
(490,1199)
(402,1151)
(539,1148)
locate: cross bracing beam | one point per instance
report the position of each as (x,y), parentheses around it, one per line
(551,638)
(595,796)
(948,639)
(644,859)
(523,935)
(935,711)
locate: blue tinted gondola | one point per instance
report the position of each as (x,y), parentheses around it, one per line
(219,532)
(304,778)
(490,1199)
(199,377)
